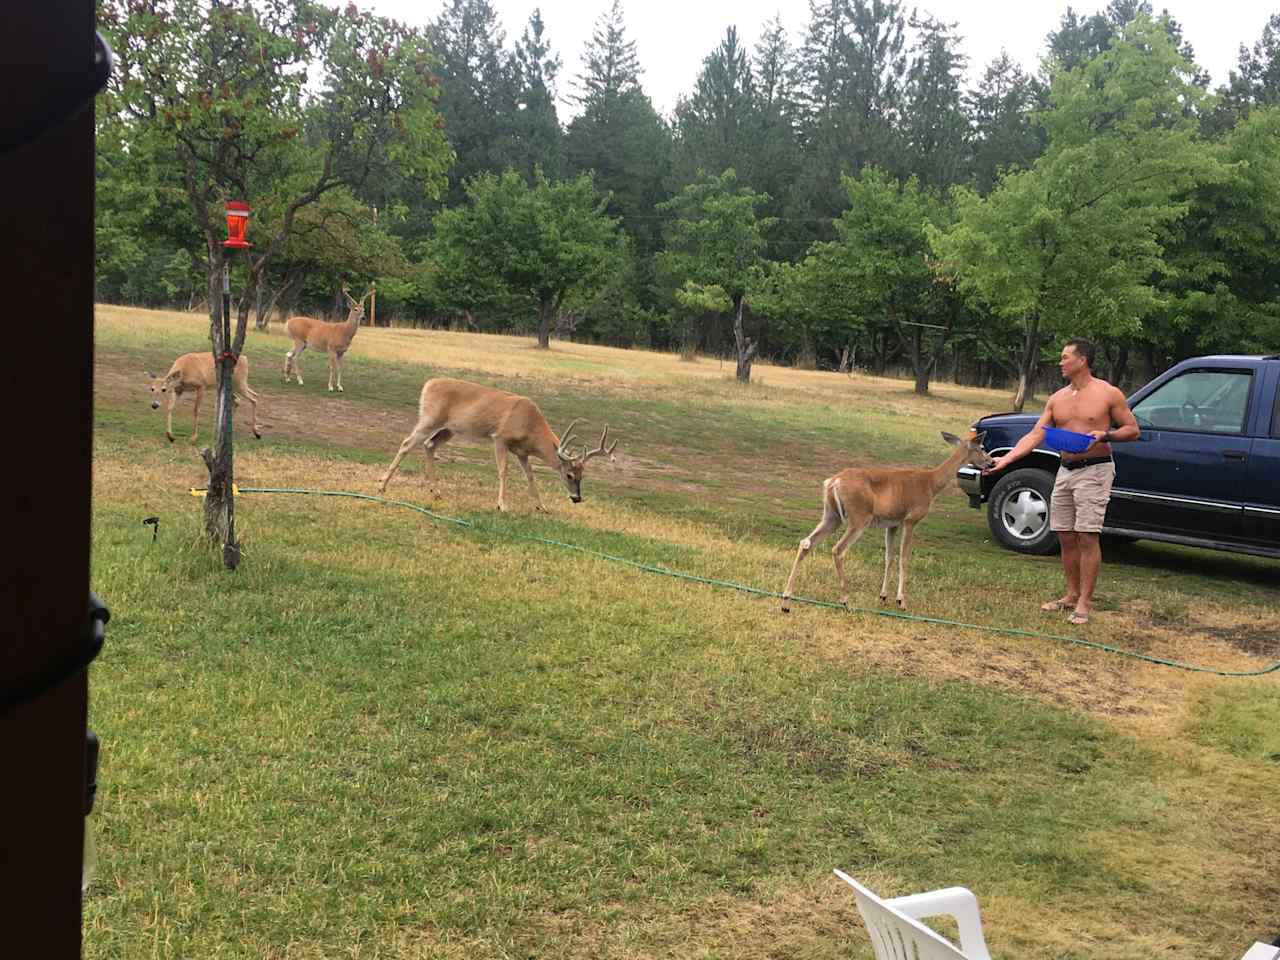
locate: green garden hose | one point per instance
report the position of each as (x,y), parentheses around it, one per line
(744,588)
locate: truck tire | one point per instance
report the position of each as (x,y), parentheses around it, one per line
(1018,512)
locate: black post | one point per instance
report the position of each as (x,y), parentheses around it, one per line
(46,164)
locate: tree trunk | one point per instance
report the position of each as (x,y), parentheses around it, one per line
(746,346)
(846,360)
(1027,363)
(1120,369)
(920,366)
(807,358)
(546,310)
(219,504)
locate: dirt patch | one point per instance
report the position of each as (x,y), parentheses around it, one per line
(284,412)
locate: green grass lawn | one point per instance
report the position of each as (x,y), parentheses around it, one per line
(385,736)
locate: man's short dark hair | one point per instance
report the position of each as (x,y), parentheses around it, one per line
(1084,348)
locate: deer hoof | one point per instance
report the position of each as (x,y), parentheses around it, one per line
(170,436)
(884,598)
(902,604)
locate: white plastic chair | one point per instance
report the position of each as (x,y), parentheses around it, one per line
(897,933)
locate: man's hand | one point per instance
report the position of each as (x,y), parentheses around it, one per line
(997,464)
(1099,436)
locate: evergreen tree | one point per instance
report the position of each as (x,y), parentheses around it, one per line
(537,127)
(1004,136)
(1256,81)
(777,149)
(850,73)
(618,135)
(719,125)
(478,90)
(935,127)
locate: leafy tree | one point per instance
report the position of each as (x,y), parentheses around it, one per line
(716,239)
(541,243)
(1223,284)
(335,239)
(881,257)
(1072,245)
(222,89)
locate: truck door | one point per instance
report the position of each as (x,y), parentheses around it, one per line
(1262,496)
(1187,474)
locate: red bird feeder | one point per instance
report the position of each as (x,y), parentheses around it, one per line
(237,225)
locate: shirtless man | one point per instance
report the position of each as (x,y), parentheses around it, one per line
(1082,487)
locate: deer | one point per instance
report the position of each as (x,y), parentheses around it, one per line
(196,372)
(456,408)
(333,338)
(894,498)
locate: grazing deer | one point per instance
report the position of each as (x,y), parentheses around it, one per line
(333,338)
(196,371)
(449,408)
(893,498)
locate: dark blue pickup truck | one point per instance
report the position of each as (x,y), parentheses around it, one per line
(1206,471)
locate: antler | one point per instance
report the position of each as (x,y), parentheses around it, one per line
(601,448)
(562,448)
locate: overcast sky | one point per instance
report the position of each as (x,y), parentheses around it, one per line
(673,38)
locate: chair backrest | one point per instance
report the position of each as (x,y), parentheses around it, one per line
(895,936)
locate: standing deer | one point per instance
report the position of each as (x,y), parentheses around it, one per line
(333,338)
(196,371)
(893,498)
(449,408)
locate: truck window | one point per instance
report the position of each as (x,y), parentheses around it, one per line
(1275,416)
(1200,401)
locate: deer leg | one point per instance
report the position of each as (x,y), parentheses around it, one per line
(500,454)
(195,414)
(412,440)
(172,402)
(293,359)
(904,553)
(889,543)
(851,536)
(333,359)
(528,474)
(429,453)
(252,397)
(830,521)
(337,360)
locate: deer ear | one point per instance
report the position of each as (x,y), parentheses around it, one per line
(150,375)
(951,438)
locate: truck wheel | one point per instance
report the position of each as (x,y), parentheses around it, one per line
(1018,512)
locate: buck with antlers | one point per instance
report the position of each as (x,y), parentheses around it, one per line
(333,338)
(456,408)
(196,372)
(893,498)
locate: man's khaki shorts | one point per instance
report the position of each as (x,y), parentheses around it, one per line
(1080,498)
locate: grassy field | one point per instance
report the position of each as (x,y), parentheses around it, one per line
(391,737)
